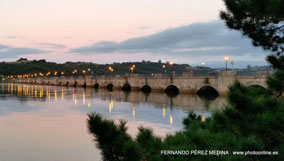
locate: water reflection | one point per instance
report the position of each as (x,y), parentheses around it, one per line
(80,96)
(58,124)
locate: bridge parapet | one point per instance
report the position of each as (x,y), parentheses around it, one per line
(159,82)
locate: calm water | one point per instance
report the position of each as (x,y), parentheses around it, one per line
(48,123)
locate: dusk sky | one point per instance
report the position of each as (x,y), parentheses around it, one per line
(181,31)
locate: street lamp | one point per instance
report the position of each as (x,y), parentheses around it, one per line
(164,67)
(75,71)
(232,62)
(110,69)
(132,68)
(226,59)
(170,70)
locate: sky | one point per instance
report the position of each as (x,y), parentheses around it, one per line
(181,31)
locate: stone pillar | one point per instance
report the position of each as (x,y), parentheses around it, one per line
(225,79)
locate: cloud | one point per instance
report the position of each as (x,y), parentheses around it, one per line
(14,52)
(144,27)
(207,39)
(3,46)
(13,37)
(51,45)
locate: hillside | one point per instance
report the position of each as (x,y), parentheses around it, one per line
(24,66)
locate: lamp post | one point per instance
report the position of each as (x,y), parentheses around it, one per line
(226,59)
(83,72)
(89,70)
(232,62)
(110,69)
(132,68)
(164,67)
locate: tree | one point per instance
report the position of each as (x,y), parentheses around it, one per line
(263,22)
(253,119)
(260,20)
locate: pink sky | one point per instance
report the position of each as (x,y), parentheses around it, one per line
(58,26)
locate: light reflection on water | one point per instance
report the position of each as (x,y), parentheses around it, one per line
(49,122)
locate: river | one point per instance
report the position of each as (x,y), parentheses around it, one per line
(48,123)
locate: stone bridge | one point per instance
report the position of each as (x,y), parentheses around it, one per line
(184,84)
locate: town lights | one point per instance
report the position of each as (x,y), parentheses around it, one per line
(132,68)
(75,71)
(110,69)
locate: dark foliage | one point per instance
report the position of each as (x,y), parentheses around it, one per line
(252,121)
(260,20)
(24,66)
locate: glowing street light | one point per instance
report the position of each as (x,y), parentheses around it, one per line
(226,59)
(164,68)
(75,71)
(202,63)
(132,68)
(110,69)
(170,70)
(62,73)
(84,71)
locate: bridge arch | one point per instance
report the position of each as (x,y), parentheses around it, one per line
(75,84)
(258,86)
(206,91)
(146,89)
(60,83)
(172,89)
(96,86)
(109,86)
(84,85)
(67,83)
(126,87)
